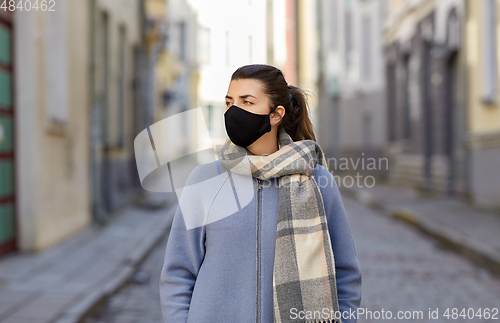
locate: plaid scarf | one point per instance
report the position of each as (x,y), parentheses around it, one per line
(304,267)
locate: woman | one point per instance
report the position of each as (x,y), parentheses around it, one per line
(285,254)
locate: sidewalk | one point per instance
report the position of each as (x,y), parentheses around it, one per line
(471,232)
(64,283)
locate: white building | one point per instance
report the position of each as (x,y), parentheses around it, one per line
(352,120)
(230,34)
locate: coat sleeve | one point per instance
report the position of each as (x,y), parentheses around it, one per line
(348,270)
(184,256)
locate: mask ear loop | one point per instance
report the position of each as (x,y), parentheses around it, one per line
(272,110)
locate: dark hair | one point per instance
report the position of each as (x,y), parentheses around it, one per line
(296,121)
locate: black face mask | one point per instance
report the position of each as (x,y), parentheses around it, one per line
(244,127)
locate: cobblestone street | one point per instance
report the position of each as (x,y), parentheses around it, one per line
(403,270)
(137,303)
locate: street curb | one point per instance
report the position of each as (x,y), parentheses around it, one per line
(87,305)
(478,254)
(407,216)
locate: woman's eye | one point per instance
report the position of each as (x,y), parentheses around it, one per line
(228,103)
(248,102)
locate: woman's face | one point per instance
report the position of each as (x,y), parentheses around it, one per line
(248,94)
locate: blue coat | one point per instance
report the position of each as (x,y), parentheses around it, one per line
(210,272)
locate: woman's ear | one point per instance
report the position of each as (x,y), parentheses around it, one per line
(277,115)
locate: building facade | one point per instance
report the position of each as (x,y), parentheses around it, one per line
(67,112)
(8,208)
(352,83)
(115,112)
(483,101)
(48,97)
(426,105)
(282,37)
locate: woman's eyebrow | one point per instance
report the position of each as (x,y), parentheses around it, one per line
(247,95)
(241,96)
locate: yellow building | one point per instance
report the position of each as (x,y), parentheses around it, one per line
(307,46)
(67,112)
(175,56)
(483,117)
(50,85)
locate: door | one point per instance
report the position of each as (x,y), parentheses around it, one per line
(449,119)
(7,191)
(428,115)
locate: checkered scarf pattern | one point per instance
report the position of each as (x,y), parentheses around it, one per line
(304,267)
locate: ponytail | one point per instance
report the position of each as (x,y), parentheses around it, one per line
(298,124)
(296,121)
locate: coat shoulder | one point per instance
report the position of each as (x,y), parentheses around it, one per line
(323,175)
(203,172)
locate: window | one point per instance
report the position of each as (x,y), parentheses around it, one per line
(57,67)
(204,45)
(406,103)
(250,49)
(489,47)
(227,48)
(121,84)
(333,24)
(104,82)
(182,40)
(210,111)
(348,35)
(391,102)
(367,48)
